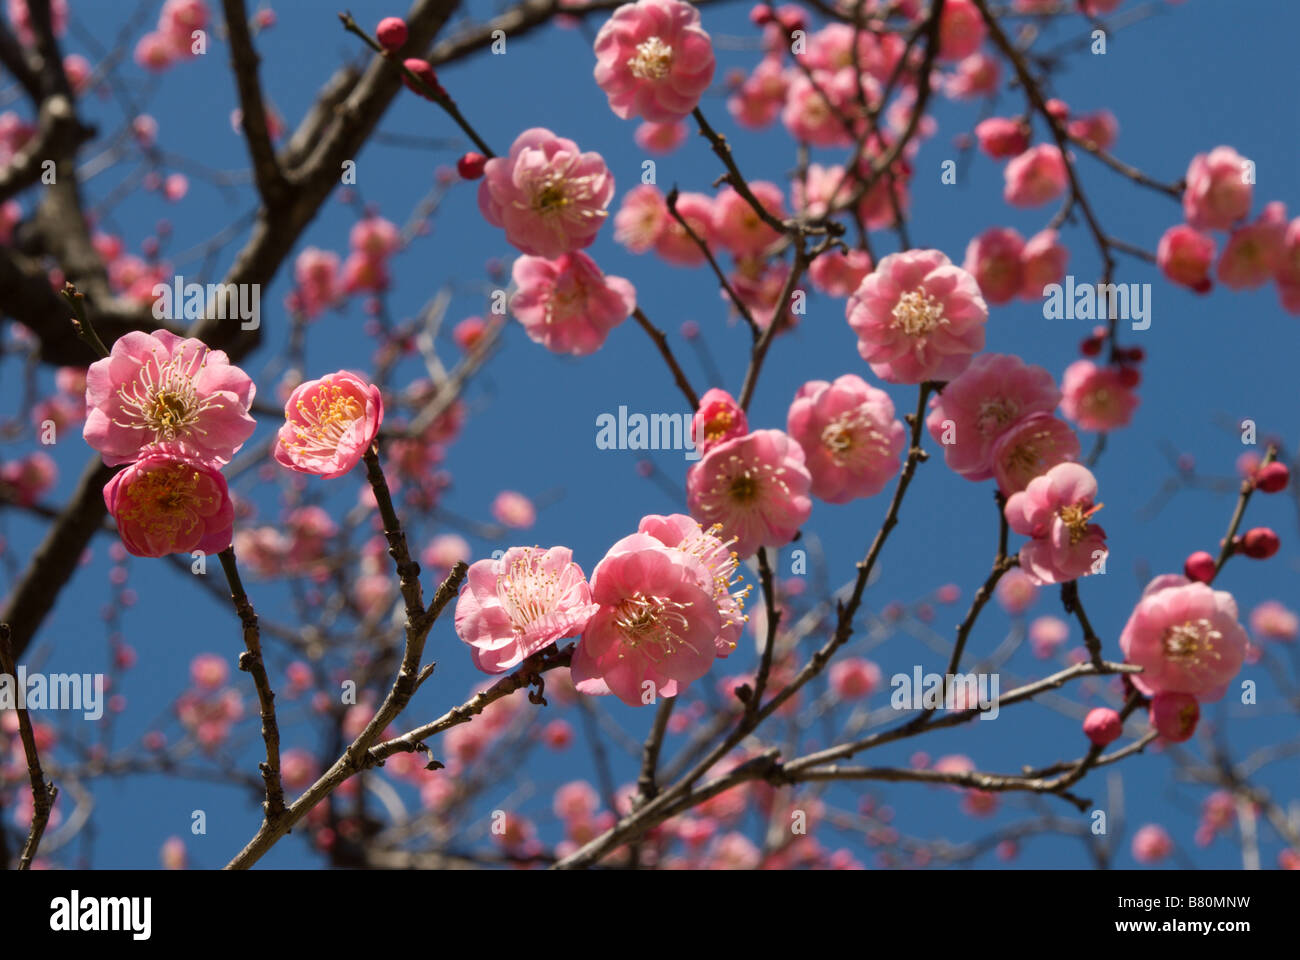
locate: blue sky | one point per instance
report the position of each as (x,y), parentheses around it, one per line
(1180,82)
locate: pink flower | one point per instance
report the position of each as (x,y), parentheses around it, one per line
(209,671)
(1029,448)
(641,218)
(1042,262)
(549,197)
(654,60)
(738,227)
(1035,177)
(1047,635)
(994,259)
(25,480)
(821,188)
(755,486)
(961,30)
(1098,129)
(854,678)
(1219,189)
(1174,715)
(316,274)
(1056,510)
(158,387)
(1273,621)
(1151,844)
(655,627)
(810,118)
(1002,137)
(838,274)
(918,317)
(444,552)
(170,501)
(660,137)
(1096,398)
(516,606)
(674,244)
(567,305)
(1254,252)
(852,442)
(979,405)
(374,237)
(514,510)
(1186,638)
(298,768)
(758,100)
(974,76)
(1016,591)
(680,532)
(154,51)
(718,419)
(329,424)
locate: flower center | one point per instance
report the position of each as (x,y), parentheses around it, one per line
(323,420)
(744,488)
(652,625)
(652,60)
(164,501)
(718,425)
(1190,640)
(527,592)
(994,414)
(162,399)
(1077,518)
(917,314)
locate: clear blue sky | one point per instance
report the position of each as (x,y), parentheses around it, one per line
(1205,73)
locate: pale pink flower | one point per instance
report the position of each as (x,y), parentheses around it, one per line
(158,387)
(654,630)
(641,218)
(374,237)
(1035,177)
(1186,638)
(759,99)
(298,768)
(548,196)
(1047,635)
(1029,448)
(961,30)
(811,118)
(1219,190)
(567,305)
(821,188)
(1016,591)
(1099,129)
(755,486)
(1273,621)
(316,273)
(973,76)
(521,603)
(918,317)
(209,671)
(329,424)
(363,273)
(178,20)
(674,244)
(444,552)
(1096,398)
(719,418)
(155,51)
(980,404)
(994,259)
(173,855)
(1002,137)
(855,678)
(838,274)
(1255,251)
(654,60)
(25,480)
(758,284)
(851,440)
(1056,510)
(660,137)
(514,510)
(577,800)
(1151,844)
(1042,262)
(170,501)
(738,227)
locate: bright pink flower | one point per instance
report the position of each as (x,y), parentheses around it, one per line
(1042,262)
(1186,638)
(329,424)
(514,510)
(682,533)
(994,259)
(1002,137)
(961,30)
(918,317)
(854,678)
(158,387)
(1096,398)
(1273,621)
(1219,189)
(654,60)
(850,438)
(1099,129)
(567,305)
(1288,269)
(755,486)
(655,628)
(364,273)
(548,196)
(1151,844)
(170,501)
(980,404)
(719,418)
(641,218)
(1254,252)
(738,227)
(1029,448)
(1174,715)
(674,244)
(515,606)
(1056,510)
(660,137)
(1035,177)
(838,274)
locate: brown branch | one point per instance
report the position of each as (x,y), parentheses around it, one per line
(244,63)
(43,795)
(666,352)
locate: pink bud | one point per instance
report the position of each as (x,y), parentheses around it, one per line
(424,72)
(391,33)
(1260,543)
(1102,726)
(470,166)
(1272,477)
(1199,566)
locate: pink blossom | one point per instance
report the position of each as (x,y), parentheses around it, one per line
(719,418)
(159,387)
(660,137)
(674,244)
(1029,448)
(364,273)
(1047,635)
(209,671)
(1002,137)
(655,627)
(759,99)
(851,440)
(567,305)
(329,425)
(1098,129)
(1096,398)
(641,218)
(1042,262)
(1254,252)
(1186,638)
(1056,510)
(654,60)
(154,51)
(980,404)
(170,501)
(444,552)
(1151,844)
(854,678)
(994,259)
(1174,715)
(738,227)
(1035,177)
(974,76)
(755,486)
(298,768)
(548,196)
(374,237)
(1016,591)
(316,273)
(758,284)
(822,188)
(1272,620)
(811,118)
(577,800)
(961,30)
(838,274)
(514,510)
(521,603)
(1219,189)
(918,317)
